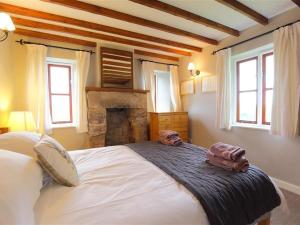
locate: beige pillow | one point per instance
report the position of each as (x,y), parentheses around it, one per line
(20,142)
(56,161)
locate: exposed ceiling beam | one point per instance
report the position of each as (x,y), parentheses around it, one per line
(297,2)
(84,33)
(94,26)
(243,9)
(53,37)
(155,55)
(130,19)
(155,4)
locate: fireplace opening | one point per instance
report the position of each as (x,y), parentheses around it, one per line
(119,130)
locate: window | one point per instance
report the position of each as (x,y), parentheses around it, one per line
(268,82)
(60,76)
(254,88)
(162,91)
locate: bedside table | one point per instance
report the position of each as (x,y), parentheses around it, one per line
(3,130)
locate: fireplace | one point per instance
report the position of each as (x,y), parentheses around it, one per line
(116,117)
(118,129)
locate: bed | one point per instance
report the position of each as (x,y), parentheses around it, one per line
(117,186)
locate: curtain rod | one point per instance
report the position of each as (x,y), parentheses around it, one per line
(268,32)
(22,42)
(169,64)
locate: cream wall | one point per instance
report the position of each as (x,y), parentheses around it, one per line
(13,88)
(279,157)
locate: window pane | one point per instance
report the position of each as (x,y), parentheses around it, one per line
(269,70)
(247,75)
(60,108)
(59,80)
(247,106)
(163,98)
(269,101)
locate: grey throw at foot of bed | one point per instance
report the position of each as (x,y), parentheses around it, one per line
(228,198)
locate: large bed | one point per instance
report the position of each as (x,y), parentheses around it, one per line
(118,186)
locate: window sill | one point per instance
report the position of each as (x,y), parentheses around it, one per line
(64,125)
(252,126)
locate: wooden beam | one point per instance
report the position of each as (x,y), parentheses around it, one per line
(297,2)
(87,89)
(243,9)
(84,33)
(53,37)
(117,68)
(94,26)
(130,19)
(155,4)
(155,55)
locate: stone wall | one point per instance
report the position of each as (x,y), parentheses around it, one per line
(100,101)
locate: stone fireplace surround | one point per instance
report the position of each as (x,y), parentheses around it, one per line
(101,99)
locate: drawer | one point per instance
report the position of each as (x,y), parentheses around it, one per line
(165,126)
(164,119)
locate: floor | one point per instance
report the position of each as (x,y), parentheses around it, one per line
(293,218)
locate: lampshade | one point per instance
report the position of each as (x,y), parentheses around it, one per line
(191,66)
(21,121)
(6,23)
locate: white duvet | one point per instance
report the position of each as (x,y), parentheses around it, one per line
(117,186)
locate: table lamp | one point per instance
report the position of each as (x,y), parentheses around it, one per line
(21,121)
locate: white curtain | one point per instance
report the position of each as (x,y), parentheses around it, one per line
(37,89)
(285,109)
(223,94)
(175,89)
(83,64)
(149,84)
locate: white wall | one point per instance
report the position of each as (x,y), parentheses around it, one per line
(279,157)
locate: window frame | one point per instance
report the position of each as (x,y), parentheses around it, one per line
(258,52)
(239,92)
(72,69)
(264,87)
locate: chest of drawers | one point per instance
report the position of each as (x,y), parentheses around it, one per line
(177,121)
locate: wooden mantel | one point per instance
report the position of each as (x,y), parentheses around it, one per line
(87,89)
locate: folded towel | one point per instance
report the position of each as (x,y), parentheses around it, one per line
(240,165)
(174,141)
(227,151)
(168,134)
(169,137)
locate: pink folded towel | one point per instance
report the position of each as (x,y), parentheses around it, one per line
(227,151)
(241,165)
(169,137)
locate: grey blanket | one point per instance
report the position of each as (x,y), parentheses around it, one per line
(228,198)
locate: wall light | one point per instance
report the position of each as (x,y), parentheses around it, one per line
(193,71)
(6,25)
(21,121)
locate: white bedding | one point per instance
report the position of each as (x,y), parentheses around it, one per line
(117,186)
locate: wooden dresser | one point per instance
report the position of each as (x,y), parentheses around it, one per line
(177,121)
(3,130)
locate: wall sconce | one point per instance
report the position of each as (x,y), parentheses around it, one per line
(6,25)
(191,68)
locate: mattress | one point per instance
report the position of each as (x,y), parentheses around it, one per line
(117,186)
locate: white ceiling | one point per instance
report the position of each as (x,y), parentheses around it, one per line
(206,8)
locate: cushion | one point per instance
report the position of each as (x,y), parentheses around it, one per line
(20,184)
(56,161)
(21,142)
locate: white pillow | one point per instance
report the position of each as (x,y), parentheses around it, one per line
(56,161)
(20,184)
(21,142)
